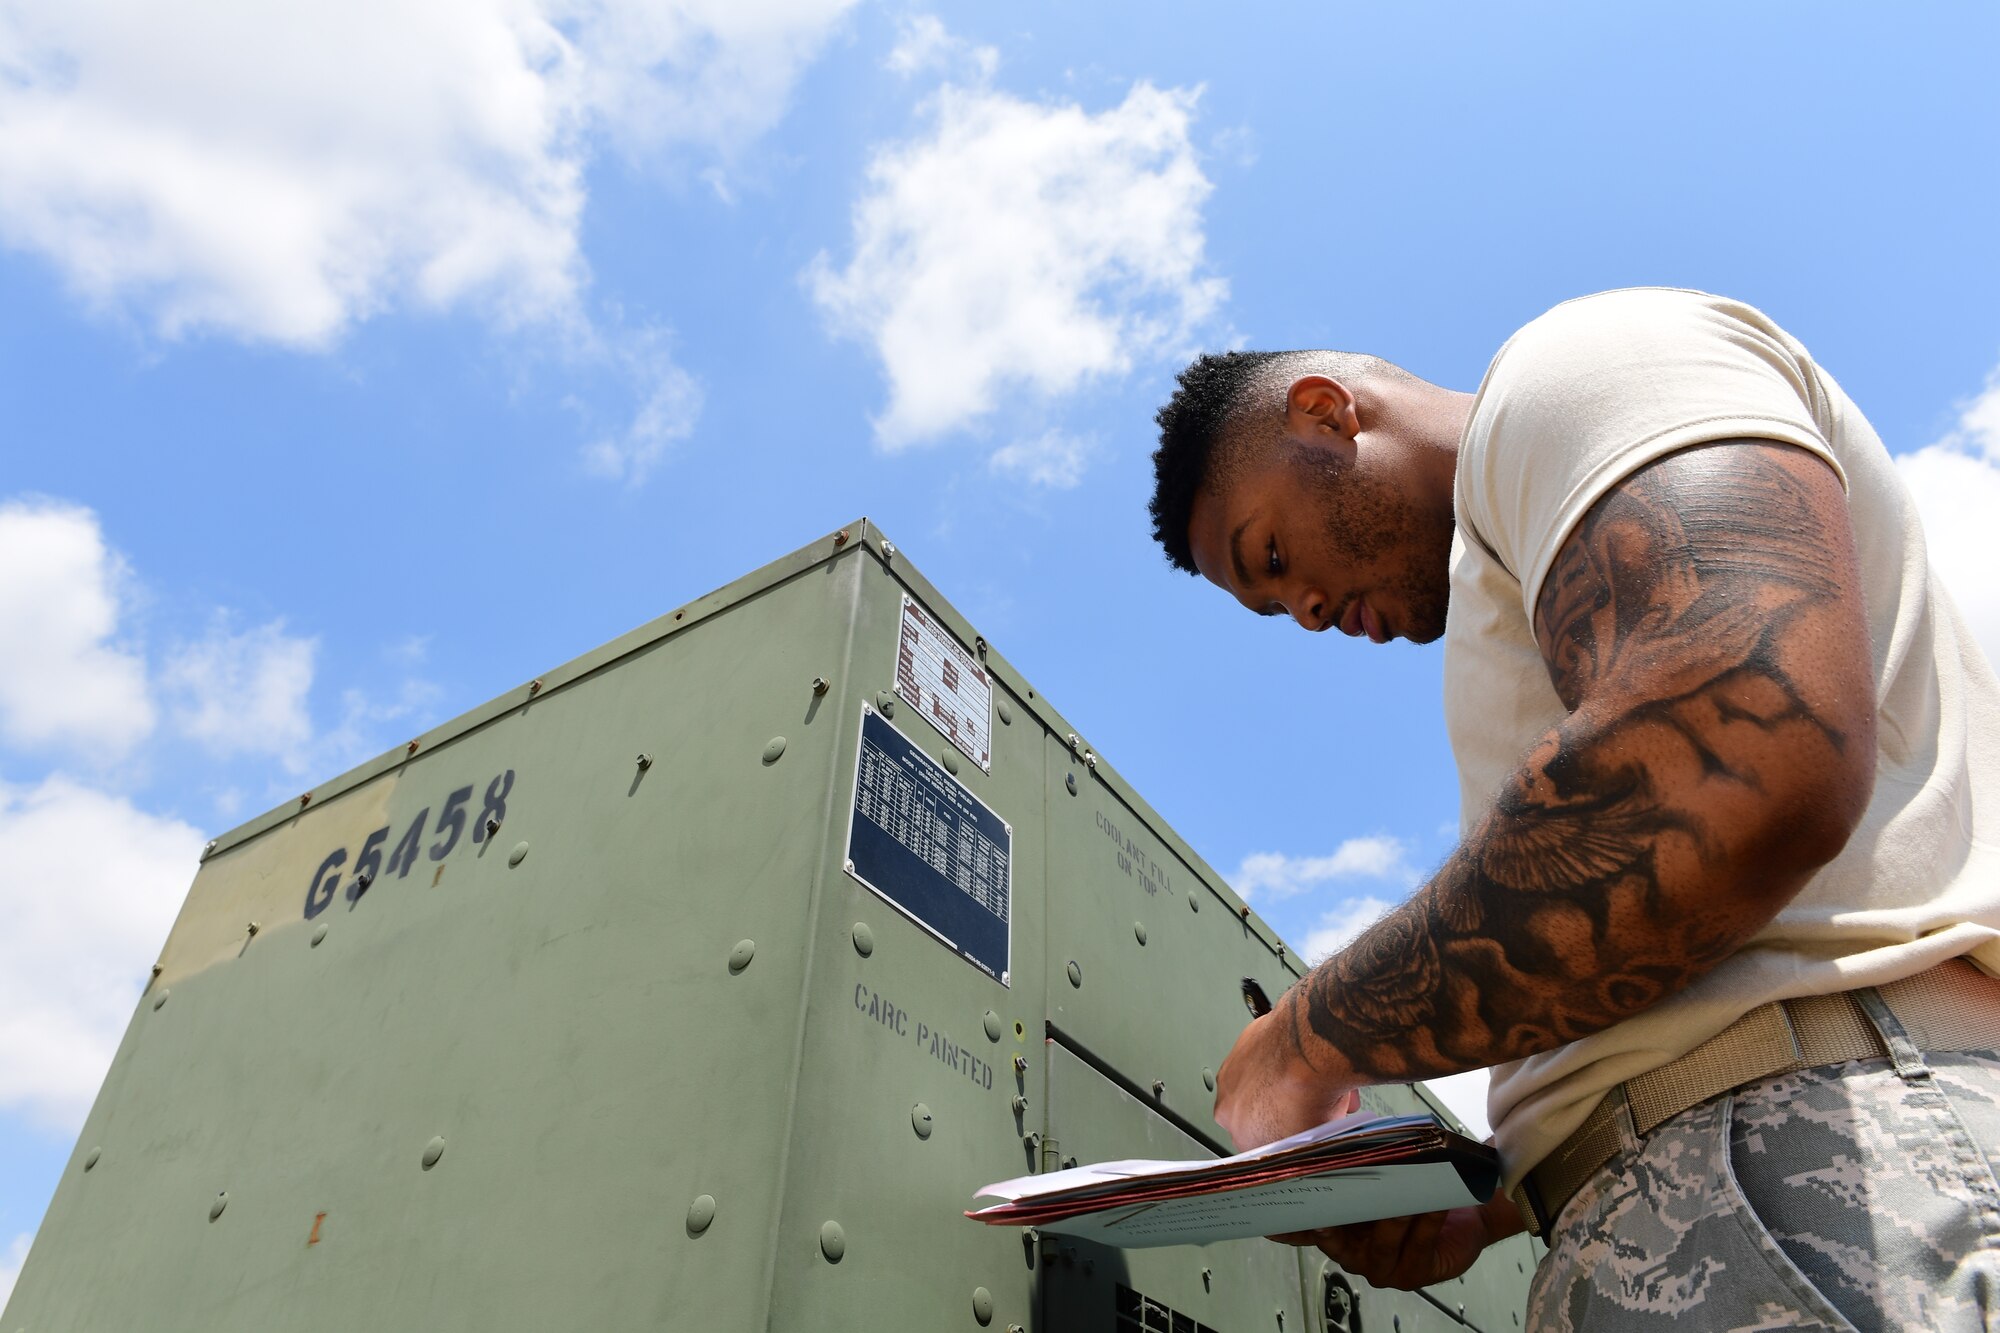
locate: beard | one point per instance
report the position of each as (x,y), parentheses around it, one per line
(1366,522)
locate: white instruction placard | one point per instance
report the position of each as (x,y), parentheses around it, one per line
(939,679)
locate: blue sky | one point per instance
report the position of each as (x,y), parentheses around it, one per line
(359,360)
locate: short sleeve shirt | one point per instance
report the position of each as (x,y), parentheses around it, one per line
(1575,403)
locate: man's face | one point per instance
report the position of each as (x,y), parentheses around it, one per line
(1329,536)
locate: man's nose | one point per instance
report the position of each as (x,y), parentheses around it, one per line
(1309,609)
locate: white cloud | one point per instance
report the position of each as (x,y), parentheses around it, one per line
(708,72)
(63,676)
(924,46)
(243,693)
(1956,482)
(363,729)
(1276,875)
(92,885)
(1465,1094)
(10,1266)
(1022,246)
(279,171)
(670,404)
(1051,459)
(1339,927)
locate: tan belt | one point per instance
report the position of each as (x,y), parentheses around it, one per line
(1951,1007)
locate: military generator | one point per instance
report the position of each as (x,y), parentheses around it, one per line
(695,985)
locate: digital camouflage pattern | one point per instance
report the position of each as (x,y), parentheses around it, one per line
(1844,1197)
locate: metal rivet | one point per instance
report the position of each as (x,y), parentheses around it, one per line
(864,939)
(432,1151)
(1244,911)
(951,763)
(252,929)
(832,1241)
(90,1158)
(208,849)
(700,1213)
(319,933)
(774,749)
(1004,713)
(161,998)
(1139,931)
(840,538)
(1020,1103)
(1194,901)
(1208,1078)
(411,748)
(885,703)
(1016,1328)
(215,1209)
(1070,782)
(157,969)
(645,761)
(305,800)
(1020,1061)
(920,1120)
(991,1022)
(982,1306)
(1075,974)
(821,685)
(534,687)
(888,550)
(1159,1087)
(518,855)
(740,956)
(492,826)
(1207,1275)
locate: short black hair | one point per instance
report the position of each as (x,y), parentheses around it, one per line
(1214,389)
(1211,390)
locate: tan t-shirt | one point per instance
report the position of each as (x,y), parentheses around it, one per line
(1574,403)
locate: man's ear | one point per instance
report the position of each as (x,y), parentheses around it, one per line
(1315,405)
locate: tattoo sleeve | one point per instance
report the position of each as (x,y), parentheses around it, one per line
(1703,628)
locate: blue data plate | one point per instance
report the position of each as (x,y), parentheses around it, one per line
(931,848)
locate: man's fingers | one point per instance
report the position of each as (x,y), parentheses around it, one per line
(1384,1247)
(1421,1263)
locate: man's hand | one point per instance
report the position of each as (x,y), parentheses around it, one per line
(1411,1252)
(1265,1090)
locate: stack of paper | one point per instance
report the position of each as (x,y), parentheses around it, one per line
(1355,1169)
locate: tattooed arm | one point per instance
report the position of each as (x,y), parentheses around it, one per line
(1703,626)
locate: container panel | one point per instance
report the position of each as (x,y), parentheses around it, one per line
(902,1023)
(1145,959)
(571,1026)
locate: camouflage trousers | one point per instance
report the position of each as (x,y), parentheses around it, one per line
(1851,1196)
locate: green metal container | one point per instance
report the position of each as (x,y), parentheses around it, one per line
(693,985)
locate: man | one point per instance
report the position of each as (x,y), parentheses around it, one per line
(1726,913)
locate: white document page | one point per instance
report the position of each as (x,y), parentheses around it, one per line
(1304,1204)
